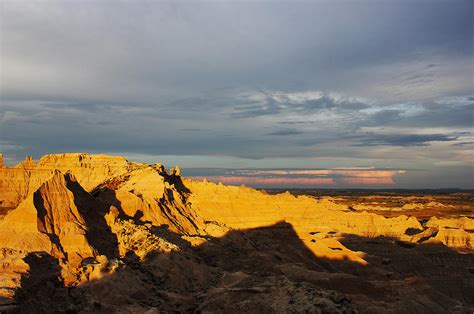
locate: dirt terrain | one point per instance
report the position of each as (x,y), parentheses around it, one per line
(422,204)
(92,233)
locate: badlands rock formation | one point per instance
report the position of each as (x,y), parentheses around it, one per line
(95,233)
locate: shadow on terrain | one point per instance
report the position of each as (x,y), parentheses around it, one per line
(99,234)
(177,181)
(266,269)
(441,268)
(41,285)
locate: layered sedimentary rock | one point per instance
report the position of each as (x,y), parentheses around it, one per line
(14,185)
(161,242)
(457,233)
(313,220)
(90,170)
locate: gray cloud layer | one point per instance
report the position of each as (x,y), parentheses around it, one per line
(380,84)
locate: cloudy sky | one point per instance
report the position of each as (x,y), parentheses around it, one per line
(271,93)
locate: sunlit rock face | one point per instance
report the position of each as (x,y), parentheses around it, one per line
(312,219)
(456,233)
(90,170)
(162,242)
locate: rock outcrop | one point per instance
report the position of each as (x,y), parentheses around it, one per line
(458,233)
(26,177)
(149,194)
(28,163)
(90,170)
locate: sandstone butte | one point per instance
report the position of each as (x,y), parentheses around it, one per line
(96,233)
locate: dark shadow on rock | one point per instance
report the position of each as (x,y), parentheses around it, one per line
(269,269)
(138,216)
(438,266)
(99,234)
(42,289)
(413,231)
(164,232)
(107,195)
(177,181)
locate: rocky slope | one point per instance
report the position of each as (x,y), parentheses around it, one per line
(95,233)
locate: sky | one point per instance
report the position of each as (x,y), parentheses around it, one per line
(333,94)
